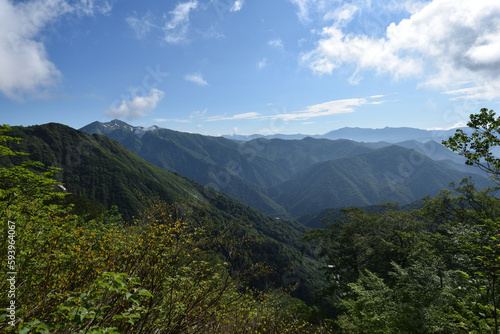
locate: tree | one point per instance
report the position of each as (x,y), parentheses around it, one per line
(27,189)
(477,147)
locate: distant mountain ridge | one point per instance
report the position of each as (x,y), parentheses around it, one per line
(366,135)
(287,178)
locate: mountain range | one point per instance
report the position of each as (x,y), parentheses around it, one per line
(387,134)
(288,178)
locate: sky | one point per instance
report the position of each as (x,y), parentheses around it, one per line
(220,67)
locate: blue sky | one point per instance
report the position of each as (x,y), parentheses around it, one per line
(249,66)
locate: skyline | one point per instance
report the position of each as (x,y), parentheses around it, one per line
(222,67)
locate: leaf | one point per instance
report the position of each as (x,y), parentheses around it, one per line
(25,330)
(144,292)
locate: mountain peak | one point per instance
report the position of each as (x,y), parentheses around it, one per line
(105,128)
(118,124)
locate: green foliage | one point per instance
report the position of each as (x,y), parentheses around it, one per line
(357,241)
(372,310)
(4,150)
(28,189)
(63,281)
(433,270)
(86,312)
(477,147)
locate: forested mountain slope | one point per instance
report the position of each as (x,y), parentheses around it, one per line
(391,174)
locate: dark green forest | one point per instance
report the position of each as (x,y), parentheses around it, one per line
(105,242)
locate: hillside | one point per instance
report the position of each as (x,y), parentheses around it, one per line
(213,161)
(98,168)
(101,169)
(300,154)
(384,175)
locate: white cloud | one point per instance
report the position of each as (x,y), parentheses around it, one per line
(262,63)
(461,124)
(342,14)
(409,6)
(444,42)
(90,7)
(303,8)
(310,10)
(276,43)
(213,33)
(138,107)
(337,49)
(236,7)
(328,108)
(248,115)
(161,120)
(196,78)
(141,26)
(24,62)
(317,110)
(476,93)
(177,27)
(198,114)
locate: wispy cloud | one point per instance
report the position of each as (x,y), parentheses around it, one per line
(92,7)
(24,60)
(317,110)
(342,15)
(303,8)
(276,43)
(196,78)
(141,26)
(138,107)
(262,63)
(308,10)
(237,5)
(176,28)
(461,124)
(477,93)
(176,120)
(198,114)
(442,43)
(248,115)
(329,108)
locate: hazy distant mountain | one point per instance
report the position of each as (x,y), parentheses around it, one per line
(292,177)
(275,136)
(388,134)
